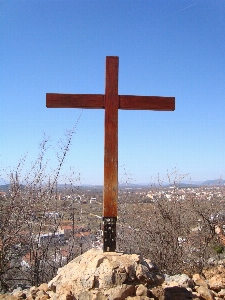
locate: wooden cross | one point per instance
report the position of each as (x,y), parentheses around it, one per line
(111,102)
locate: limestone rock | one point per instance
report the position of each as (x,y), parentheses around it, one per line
(182,280)
(205,293)
(157,293)
(217,282)
(19,295)
(104,276)
(141,290)
(199,280)
(8,297)
(43,286)
(144,275)
(219,270)
(170,284)
(222,293)
(119,292)
(42,295)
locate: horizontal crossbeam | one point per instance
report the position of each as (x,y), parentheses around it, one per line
(147,102)
(98,101)
(74,100)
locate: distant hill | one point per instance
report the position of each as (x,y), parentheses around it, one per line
(184,185)
(214,182)
(4,187)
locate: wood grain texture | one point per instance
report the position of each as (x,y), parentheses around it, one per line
(110,192)
(147,102)
(74,100)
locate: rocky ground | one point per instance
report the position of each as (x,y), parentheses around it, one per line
(116,276)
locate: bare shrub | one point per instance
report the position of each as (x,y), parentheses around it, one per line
(32,247)
(176,233)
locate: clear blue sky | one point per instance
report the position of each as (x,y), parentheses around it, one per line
(165,48)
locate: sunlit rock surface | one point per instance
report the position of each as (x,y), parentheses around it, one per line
(108,275)
(116,276)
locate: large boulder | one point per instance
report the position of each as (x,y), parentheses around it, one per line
(105,276)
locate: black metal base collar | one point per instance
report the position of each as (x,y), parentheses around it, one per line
(109,234)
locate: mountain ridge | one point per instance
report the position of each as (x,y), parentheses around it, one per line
(184,184)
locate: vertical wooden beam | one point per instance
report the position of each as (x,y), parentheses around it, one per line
(110,193)
(111,138)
